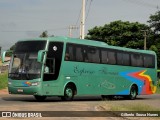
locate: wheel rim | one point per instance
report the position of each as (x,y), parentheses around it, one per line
(133,93)
(69,92)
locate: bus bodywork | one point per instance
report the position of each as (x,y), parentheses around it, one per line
(61,66)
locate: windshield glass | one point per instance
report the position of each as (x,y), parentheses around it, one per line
(24,65)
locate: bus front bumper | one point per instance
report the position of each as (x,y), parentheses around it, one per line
(24,90)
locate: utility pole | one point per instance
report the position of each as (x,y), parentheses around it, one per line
(145,38)
(82,25)
(71,27)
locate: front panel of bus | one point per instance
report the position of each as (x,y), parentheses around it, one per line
(25,71)
(27,75)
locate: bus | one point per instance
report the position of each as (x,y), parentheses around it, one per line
(158,74)
(68,67)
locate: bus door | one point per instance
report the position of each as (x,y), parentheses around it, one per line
(52,67)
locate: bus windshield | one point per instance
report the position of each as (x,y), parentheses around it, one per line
(24,65)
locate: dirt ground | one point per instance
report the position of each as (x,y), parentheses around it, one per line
(28,103)
(4,91)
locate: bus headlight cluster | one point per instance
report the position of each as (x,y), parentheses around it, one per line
(9,83)
(35,84)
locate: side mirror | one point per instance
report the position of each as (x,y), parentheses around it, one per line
(4,55)
(40,55)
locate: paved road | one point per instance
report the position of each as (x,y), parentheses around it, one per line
(85,103)
(94,103)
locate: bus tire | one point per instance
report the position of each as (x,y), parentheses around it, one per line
(68,94)
(133,93)
(40,98)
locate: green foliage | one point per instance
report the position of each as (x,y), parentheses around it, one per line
(130,34)
(155,22)
(158,87)
(44,34)
(155,26)
(8,54)
(119,33)
(3,80)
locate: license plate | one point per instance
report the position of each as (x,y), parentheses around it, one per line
(20,90)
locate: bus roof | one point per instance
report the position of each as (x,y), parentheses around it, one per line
(90,42)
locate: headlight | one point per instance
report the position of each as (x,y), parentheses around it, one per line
(35,84)
(9,83)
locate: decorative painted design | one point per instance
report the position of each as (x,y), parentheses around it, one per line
(26,84)
(83,71)
(144,81)
(107,85)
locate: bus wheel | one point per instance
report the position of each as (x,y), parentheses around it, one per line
(133,93)
(40,98)
(68,94)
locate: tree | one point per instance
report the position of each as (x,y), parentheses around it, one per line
(44,34)
(155,22)
(119,33)
(129,34)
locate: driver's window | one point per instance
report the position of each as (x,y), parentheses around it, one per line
(53,61)
(49,66)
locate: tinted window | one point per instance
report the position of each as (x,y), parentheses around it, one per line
(111,57)
(119,58)
(93,55)
(104,56)
(29,46)
(79,53)
(149,61)
(53,61)
(69,52)
(126,59)
(82,53)
(136,60)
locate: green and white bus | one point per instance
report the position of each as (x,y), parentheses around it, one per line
(65,67)
(158,74)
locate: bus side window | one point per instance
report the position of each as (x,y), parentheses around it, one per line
(149,61)
(104,56)
(69,55)
(85,55)
(137,60)
(126,59)
(112,57)
(119,58)
(79,53)
(93,55)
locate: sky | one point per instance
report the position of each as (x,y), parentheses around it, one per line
(23,19)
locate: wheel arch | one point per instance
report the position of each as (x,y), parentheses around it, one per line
(72,85)
(136,86)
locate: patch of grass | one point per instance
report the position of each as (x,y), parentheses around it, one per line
(132,107)
(158,88)
(3,80)
(0,62)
